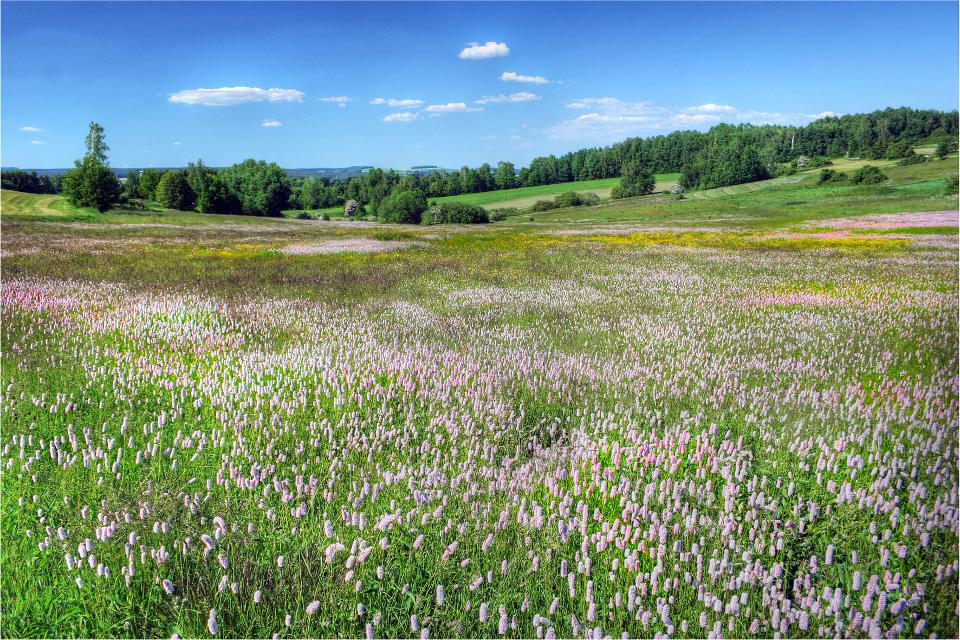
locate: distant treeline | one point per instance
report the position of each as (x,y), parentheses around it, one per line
(724,155)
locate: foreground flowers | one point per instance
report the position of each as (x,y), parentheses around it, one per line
(706,446)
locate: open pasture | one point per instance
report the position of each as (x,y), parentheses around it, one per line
(688,425)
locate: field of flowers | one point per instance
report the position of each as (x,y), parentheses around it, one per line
(627,436)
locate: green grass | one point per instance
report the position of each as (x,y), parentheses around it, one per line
(521,347)
(524,197)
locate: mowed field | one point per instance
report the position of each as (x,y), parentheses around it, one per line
(731,415)
(524,197)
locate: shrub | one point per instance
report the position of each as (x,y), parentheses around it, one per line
(350,208)
(818,161)
(785,170)
(945,148)
(499,215)
(829,175)
(868,174)
(402,207)
(455,213)
(913,158)
(543,205)
(589,199)
(568,199)
(325,217)
(952,185)
(678,190)
(303,215)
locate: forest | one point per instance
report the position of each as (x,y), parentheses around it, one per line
(722,156)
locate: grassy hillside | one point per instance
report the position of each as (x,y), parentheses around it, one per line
(524,197)
(781,201)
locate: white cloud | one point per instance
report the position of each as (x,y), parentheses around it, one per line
(230,96)
(37,142)
(450,107)
(31,129)
(610,119)
(177,143)
(271,124)
(477,51)
(402,116)
(340,101)
(513,76)
(712,108)
(405,103)
(522,96)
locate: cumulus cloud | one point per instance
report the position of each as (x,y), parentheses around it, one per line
(31,129)
(37,142)
(609,119)
(513,76)
(340,101)
(712,108)
(405,103)
(271,124)
(230,96)
(177,143)
(450,107)
(521,96)
(477,51)
(402,116)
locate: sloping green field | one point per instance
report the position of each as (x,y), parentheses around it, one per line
(524,197)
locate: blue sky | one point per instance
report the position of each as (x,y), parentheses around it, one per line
(457,83)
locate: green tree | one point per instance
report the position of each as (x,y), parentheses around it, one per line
(261,188)
(132,186)
(505,176)
(868,174)
(91,183)
(149,178)
(174,192)
(635,180)
(96,143)
(403,207)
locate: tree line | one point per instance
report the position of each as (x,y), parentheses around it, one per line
(724,155)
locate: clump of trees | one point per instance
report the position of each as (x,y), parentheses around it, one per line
(402,207)
(455,213)
(29,182)
(868,174)
(829,175)
(636,180)
(91,183)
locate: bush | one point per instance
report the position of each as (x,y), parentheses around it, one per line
(325,217)
(678,190)
(499,215)
(303,215)
(350,208)
(589,199)
(455,213)
(543,205)
(785,170)
(402,207)
(952,185)
(829,175)
(868,174)
(818,161)
(913,158)
(568,199)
